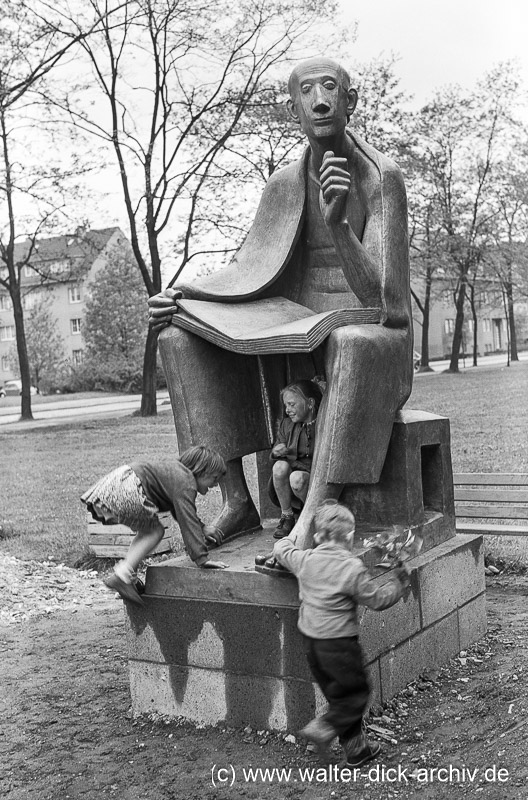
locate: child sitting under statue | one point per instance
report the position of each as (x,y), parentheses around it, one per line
(293,451)
(134,496)
(332,583)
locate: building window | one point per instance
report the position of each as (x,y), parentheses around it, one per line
(7,333)
(75,325)
(77,357)
(486,325)
(74,294)
(6,304)
(470,325)
(31,300)
(57,267)
(29,272)
(449,325)
(5,364)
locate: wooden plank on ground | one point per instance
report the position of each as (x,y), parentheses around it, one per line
(119,551)
(118,538)
(491,479)
(491,512)
(488,495)
(113,541)
(489,529)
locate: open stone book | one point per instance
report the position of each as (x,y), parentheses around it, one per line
(260,327)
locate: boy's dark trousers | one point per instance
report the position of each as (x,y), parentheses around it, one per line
(337,666)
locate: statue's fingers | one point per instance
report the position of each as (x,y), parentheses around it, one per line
(162,311)
(157,325)
(335,178)
(334,165)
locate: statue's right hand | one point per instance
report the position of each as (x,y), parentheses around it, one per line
(161,308)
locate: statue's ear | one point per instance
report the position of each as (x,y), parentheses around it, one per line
(292,112)
(352,101)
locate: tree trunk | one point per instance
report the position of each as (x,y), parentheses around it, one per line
(426,314)
(474,318)
(148,396)
(511,322)
(23,361)
(459,325)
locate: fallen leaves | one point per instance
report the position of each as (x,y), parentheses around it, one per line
(40,588)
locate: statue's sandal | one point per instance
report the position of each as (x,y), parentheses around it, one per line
(268,565)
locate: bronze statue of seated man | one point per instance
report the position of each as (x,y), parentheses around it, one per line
(330,232)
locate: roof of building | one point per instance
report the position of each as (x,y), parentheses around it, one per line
(83,243)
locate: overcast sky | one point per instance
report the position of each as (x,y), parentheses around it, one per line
(441,41)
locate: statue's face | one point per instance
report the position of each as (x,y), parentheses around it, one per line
(320,102)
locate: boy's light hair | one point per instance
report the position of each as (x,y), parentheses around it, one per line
(201,460)
(334,522)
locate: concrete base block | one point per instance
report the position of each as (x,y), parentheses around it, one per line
(224,646)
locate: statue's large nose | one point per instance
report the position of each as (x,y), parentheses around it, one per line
(320,102)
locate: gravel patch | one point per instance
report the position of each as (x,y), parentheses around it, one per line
(35,588)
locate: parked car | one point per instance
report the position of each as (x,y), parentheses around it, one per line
(14,387)
(417,359)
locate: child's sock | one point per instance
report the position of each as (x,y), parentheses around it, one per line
(287,512)
(123,571)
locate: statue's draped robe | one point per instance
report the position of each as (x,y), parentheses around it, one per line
(231,402)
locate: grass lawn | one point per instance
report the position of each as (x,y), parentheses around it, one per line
(44,471)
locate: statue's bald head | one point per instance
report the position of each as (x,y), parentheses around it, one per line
(319,63)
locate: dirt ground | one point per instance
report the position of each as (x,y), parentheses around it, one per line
(67,730)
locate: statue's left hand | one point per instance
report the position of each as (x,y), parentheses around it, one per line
(161,308)
(335,186)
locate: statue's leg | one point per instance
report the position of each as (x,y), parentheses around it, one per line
(239,514)
(366,373)
(217,402)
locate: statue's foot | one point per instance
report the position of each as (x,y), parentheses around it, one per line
(261,559)
(268,565)
(236,519)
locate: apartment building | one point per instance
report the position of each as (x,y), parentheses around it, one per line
(59,268)
(492,332)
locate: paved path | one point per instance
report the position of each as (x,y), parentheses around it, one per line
(70,410)
(64,410)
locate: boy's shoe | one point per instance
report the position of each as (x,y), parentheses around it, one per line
(125,590)
(284,527)
(320,733)
(370,751)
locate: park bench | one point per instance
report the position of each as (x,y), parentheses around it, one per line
(112,541)
(491,504)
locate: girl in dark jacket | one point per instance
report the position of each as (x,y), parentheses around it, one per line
(293,451)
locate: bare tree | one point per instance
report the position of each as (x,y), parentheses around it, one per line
(45,346)
(507,259)
(177,76)
(30,49)
(462,137)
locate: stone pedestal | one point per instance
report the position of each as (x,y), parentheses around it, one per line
(216,646)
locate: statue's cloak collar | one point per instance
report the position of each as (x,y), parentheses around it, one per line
(272,238)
